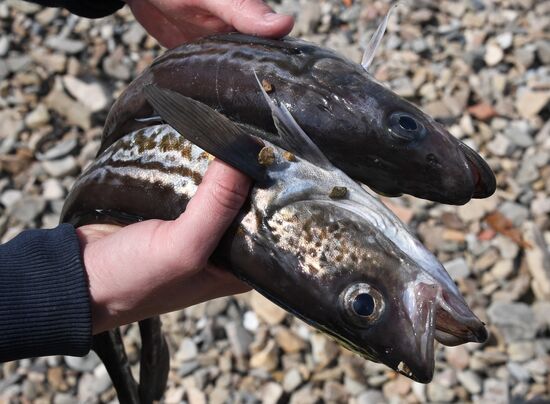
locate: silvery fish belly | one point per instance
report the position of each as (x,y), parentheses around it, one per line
(363,128)
(311,239)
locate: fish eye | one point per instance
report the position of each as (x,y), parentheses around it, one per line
(362,303)
(405,127)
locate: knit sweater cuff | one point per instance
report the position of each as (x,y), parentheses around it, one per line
(44,296)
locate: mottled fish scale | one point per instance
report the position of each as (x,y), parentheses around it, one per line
(156,154)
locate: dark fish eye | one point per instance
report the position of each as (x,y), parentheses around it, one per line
(362,303)
(405,127)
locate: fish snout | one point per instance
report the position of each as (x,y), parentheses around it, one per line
(455,323)
(483,177)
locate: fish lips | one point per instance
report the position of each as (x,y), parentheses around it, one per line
(433,314)
(483,177)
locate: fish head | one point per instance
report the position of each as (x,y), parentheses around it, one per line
(412,153)
(364,291)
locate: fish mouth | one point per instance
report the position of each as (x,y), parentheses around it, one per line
(437,315)
(483,177)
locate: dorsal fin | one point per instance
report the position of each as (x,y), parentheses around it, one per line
(372,46)
(293,135)
(208,129)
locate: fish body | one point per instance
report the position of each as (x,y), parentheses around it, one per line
(340,261)
(363,128)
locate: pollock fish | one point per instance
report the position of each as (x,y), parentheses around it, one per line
(311,239)
(363,128)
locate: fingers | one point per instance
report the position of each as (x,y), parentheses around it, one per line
(156,23)
(250,17)
(197,232)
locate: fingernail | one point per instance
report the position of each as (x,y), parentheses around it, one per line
(270,17)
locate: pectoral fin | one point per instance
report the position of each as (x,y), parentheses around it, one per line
(208,129)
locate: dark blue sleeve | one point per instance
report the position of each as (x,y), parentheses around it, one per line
(44,297)
(85,8)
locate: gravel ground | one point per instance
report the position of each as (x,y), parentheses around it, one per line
(480,66)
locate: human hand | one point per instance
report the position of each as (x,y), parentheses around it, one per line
(156,266)
(173,22)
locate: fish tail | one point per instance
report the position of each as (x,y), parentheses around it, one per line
(109,347)
(155,361)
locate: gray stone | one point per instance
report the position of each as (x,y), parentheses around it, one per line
(37,117)
(239,338)
(292,379)
(542,315)
(515,212)
(187,350)
(470,380)
(440,394)
(10,197)
(518,372)
(86,389)
(187,368)
(500,145)
(83,364)
(18,63)
(271,393)
(495,391)
(27,209)
(62,167)
(371,397)
(516,321)
(134,35)
(90,94)
(4,45)
(102,379)
(538,260)
(73,111)
(521,351)
(65,45)
(519,133)
(60,149)
(527,173)
(457,268)
(116,68)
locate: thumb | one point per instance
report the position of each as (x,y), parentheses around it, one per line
(251,17)
(197,232)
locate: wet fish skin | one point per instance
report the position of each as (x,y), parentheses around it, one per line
(353,119)
(311,249)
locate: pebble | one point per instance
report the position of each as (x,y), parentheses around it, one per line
(516,321)
(470,380)
(65,45)
(440,394)
(37,117)
(91,95)
(493,54)
(266,310)
(371,397)
(323,350)
(457,268)
(292,379)
(27,209)
(288,341)
(267,358)
(187,350)
(271,393)
(530,103)
(62,167)
(239,338)
(83,364)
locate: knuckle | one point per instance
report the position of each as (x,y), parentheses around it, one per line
(240,5)
(228,196)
